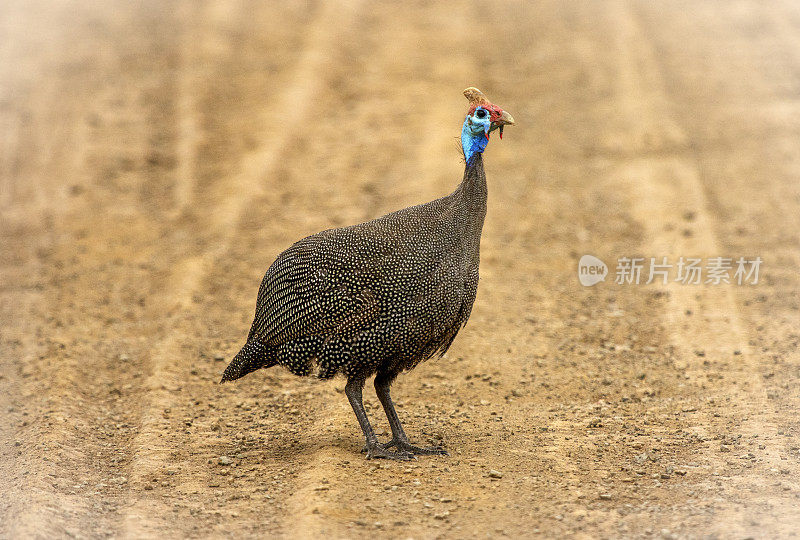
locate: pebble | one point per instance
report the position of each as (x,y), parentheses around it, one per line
(224,460)
(605,496)
(495,474)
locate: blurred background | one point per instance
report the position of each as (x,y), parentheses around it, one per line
(156,156)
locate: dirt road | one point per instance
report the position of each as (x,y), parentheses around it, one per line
(154,159)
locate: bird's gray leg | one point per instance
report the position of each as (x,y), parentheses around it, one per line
(399,438)
(374,448)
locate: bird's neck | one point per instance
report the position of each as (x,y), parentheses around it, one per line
(473,185)
(471,199)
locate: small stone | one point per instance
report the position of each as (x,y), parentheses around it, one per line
(495,474)
(443,515)
(605,496)
(224,460)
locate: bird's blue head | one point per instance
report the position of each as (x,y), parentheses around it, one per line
(483,118)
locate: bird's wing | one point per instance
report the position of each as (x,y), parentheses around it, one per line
(313,288)
(331,283)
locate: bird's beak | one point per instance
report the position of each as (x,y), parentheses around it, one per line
(504,120)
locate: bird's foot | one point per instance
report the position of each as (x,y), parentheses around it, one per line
(405,446)
(379,451)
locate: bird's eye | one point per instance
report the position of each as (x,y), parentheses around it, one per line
(480,113)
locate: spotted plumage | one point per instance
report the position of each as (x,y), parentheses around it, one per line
(379,297)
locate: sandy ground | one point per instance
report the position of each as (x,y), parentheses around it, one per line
(154,159)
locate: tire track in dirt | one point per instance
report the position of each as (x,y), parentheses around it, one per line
(9,148)
(230,198)
(665,185)
(17,347)
(188,128)
(45,145)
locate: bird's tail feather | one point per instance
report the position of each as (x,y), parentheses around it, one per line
(254,355)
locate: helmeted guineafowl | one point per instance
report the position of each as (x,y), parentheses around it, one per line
(380,297)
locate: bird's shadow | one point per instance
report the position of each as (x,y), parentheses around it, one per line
(303,448)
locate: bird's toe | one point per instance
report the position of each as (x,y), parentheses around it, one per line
(426,450)
(417,450)
(380,452)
